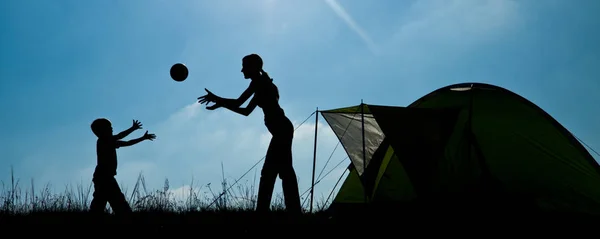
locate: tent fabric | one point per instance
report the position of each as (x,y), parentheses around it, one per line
(461,141)
(351,124)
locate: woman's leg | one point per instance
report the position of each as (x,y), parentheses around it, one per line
(267,179)
(279,161)
(289,180)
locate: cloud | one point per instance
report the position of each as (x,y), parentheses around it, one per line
(189,154)
(183,193)
(192,143)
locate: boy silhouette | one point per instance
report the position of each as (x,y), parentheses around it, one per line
(106,188)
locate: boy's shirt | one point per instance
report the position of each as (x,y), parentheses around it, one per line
(106,151)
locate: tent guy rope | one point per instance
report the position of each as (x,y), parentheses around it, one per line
(253,166)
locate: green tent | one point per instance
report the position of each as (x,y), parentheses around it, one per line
(421,152)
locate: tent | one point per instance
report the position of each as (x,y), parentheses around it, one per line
(461,142)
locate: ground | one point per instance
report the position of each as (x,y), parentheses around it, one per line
(278,223)
(232,212)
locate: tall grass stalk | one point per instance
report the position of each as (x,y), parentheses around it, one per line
(18,198)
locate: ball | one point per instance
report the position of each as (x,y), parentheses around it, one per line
(179,72)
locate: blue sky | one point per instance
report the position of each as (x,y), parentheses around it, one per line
(65,63)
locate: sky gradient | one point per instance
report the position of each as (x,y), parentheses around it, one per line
(64,63)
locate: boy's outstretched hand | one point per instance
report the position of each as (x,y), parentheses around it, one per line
(136,125)
(149,136)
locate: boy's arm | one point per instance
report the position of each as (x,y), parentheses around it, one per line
(121,143)
(124,133)
(136,125)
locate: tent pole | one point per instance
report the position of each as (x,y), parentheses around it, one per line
(469,124)
(362,119)
(312,188)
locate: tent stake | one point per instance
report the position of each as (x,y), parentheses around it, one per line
(312,188)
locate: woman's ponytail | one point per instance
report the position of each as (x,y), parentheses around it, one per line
(264,74)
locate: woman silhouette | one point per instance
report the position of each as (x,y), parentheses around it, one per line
(279,154)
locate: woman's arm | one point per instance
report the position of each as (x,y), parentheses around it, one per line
(236,103)
(243,111)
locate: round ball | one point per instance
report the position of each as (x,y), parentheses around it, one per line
(179,72)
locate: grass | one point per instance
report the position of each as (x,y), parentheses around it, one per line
(232,209)
(202,204)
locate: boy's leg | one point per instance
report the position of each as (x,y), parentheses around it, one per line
(117,199)
(100,198)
